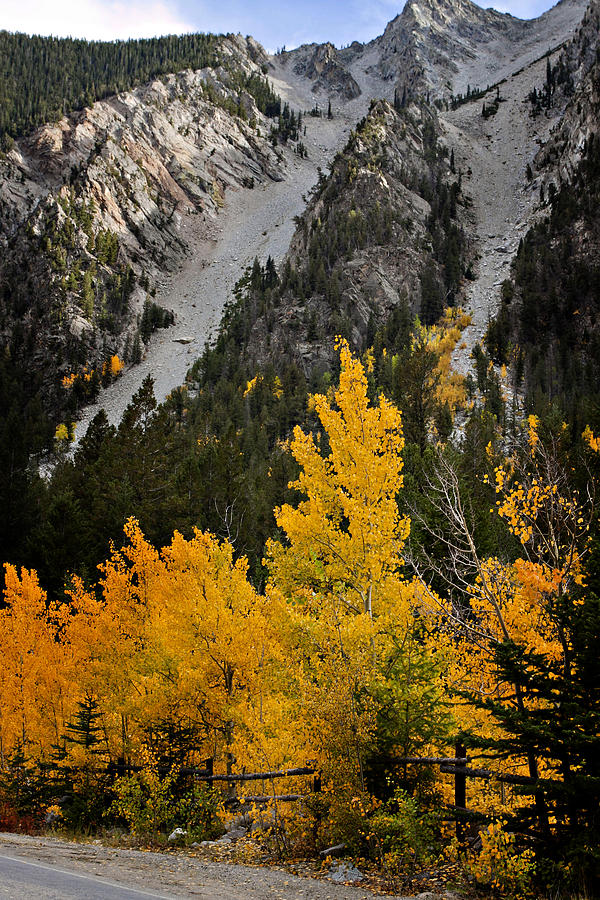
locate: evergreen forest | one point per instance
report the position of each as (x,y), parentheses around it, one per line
(44,78)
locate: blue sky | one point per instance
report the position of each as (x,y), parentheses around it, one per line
(272,23)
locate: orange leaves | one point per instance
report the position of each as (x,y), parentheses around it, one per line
(549,518)
(111,368)
(35,678)
(341,570)
(443,338)
(509,602)
(522,505)
(591,440)
(116,366)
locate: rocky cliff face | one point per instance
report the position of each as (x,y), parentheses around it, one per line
(442,47)
(559,158)
(548,320)
(322,66)
(95,204)
(381,233)
(424,47)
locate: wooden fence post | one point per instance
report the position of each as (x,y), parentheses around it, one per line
(460,791)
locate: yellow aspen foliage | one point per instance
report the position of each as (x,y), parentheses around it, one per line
(180,637)
(207,622)
(514,603)
(116,366)
(35,683)
(341,573)
(347,535)
(443,339)
(591,440)
(251,385)
(64,433)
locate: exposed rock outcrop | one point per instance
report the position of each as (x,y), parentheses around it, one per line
(321,64)
(365,246)
(559,158)
(441,47)
(95,204)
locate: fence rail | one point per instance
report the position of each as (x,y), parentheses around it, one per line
(458,766)
(121,768)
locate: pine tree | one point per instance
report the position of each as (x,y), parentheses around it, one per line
(87,729)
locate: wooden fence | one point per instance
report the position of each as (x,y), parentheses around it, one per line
(458,766)
(206,774)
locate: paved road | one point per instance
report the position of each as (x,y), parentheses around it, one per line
(24,879)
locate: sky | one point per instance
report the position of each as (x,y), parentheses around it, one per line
(274,24)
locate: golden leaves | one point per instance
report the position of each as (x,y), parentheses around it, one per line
(348,530)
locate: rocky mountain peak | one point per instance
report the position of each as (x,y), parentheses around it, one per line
(441,46)
(446,11)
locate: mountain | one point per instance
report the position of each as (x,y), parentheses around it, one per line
(548,322)
(440,48)
(329,324)
(381,233)
(98,202)
(384,181)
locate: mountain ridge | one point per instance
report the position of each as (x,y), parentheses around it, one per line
(422,52)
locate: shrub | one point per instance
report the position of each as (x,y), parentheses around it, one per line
(500,867)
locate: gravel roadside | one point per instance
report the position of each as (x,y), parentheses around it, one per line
(174,874)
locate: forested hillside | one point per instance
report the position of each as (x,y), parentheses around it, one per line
(216,451)
(44,78)
(409,603)
(547,326)
(94,205)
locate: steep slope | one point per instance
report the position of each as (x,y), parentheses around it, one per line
(381,237)
(431,41)
(252,223)
(548,322)
(112,198)
(437,48)
(380,233)
(558,159)
(98,202)
(446,50)
(76,73)
(496,155)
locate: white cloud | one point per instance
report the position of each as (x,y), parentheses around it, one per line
(93,19)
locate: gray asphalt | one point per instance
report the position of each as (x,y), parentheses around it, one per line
(23,880)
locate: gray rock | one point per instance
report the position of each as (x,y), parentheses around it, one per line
(237,832)
(336,850)
(344,872)
(177,834)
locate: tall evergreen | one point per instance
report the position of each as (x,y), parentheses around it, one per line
(87,729)
(558,723)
